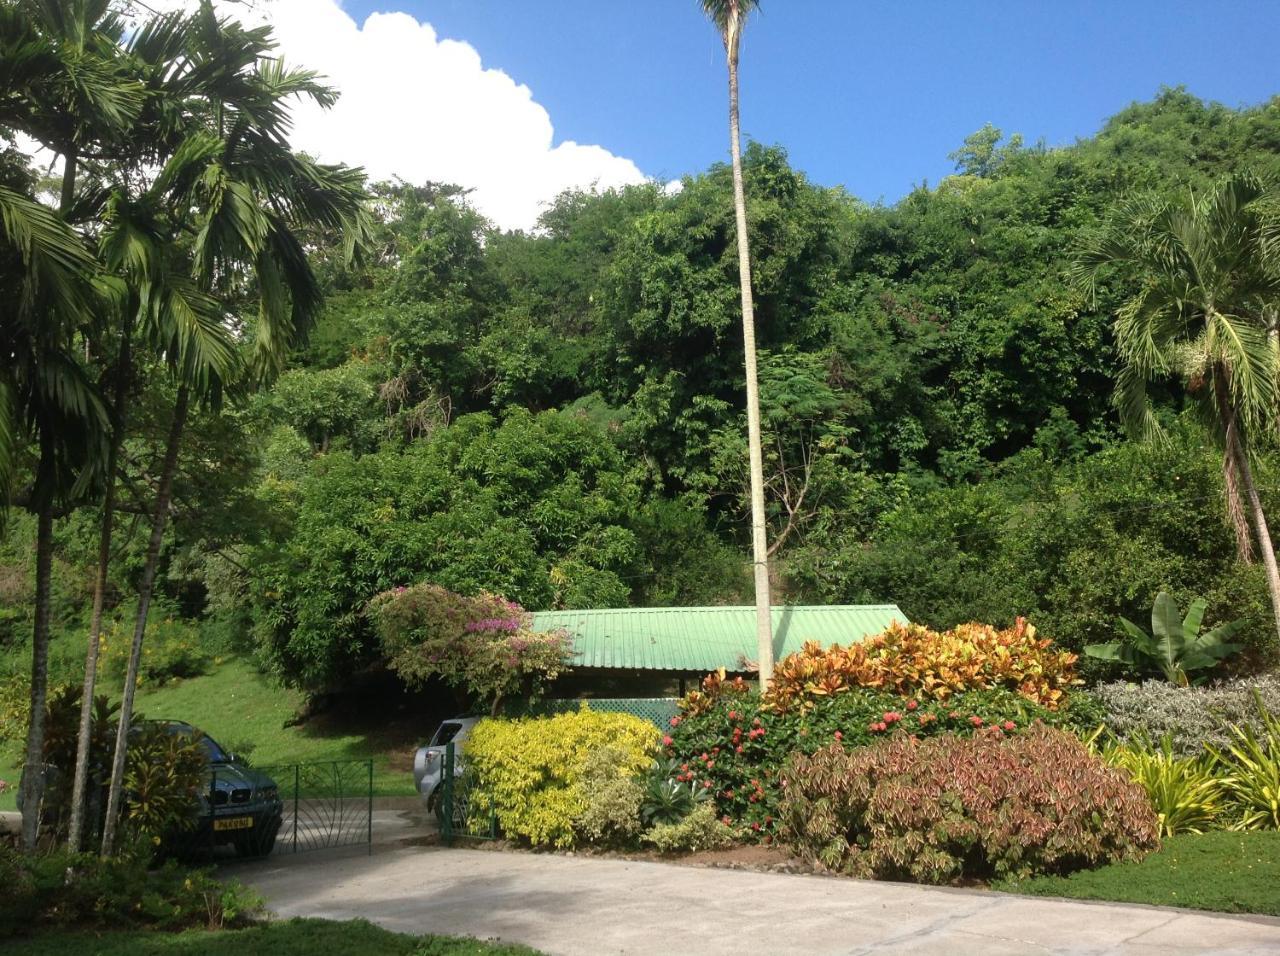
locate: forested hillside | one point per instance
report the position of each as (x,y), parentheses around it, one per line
(557,416)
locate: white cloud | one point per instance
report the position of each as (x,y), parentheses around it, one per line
(421,107)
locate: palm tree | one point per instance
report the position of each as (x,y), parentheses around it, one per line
(729,17)
(45,280)
(1209,273)
(233,185)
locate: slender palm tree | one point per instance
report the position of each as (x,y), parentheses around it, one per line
(1209,274)
(236,189)
(46,277)
(729,17)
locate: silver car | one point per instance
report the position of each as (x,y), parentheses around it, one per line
(428,762)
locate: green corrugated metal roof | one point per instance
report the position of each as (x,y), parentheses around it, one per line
(705,638)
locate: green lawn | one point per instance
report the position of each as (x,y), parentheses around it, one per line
(296,937)
(9,774)
(1222,871)
(244,711)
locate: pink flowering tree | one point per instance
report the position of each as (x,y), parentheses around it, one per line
(483,645)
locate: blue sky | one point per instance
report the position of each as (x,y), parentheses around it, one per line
(520,99)
(869,95)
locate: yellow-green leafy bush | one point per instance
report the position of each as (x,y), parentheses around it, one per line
(1188,794)
(1251,765)
(531,771)
(700,829)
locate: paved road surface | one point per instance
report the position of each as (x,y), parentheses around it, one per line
(580,906)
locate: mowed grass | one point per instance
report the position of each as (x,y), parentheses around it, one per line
(1222,871)
(245,711)
(296,937)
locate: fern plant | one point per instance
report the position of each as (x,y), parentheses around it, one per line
(1175,647)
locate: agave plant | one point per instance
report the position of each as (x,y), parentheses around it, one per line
(1252,766)
(667,798)
(1175,647)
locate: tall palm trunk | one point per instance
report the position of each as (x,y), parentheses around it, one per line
(1260,526)
(1235,451)
(759,544)
(33,778)
(34,769)
(158,523)
(75,828)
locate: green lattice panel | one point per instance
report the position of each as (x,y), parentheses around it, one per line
(657,710)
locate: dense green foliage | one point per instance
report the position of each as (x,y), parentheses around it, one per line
(556,416)
(72,891)
(1226,872)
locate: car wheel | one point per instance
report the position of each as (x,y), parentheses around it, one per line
(259,842)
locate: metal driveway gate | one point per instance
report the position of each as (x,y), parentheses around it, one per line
(455,813)
(322,805)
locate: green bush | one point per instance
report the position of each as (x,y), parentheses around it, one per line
(738,746)
(1190,716)
(613,797)
(171,650)
(531,771)
(699,830)
(84,891)
(1251,765)
(950,807)
(1188,794)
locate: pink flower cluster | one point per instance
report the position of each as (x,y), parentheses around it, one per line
(494,624)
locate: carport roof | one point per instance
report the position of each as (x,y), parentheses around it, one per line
(707,638)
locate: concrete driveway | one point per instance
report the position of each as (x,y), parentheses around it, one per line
(582,906)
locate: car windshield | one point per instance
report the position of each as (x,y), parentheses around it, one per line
(445,734)
(216,753)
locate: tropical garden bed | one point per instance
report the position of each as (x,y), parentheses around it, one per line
(968,757)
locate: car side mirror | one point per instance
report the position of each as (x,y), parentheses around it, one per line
(234,758)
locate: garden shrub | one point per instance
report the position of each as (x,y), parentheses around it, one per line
(613,797)
(698,830)
(171,650)
(484,645)
(1188,794)
(734,741)
(84,891)
(1190,716)
(531,771)
(913,660)
(1251,764)
(985,806)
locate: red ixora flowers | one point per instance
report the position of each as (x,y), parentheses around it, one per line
(839,736)
(976,720)
(913,704)
(667,741)
(1010,725)
(675,721)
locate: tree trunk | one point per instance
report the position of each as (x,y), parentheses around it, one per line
(1260,526)
(80,784)
(1235,449)
(33,771)
(1236,509)
(158,522)
(759,544)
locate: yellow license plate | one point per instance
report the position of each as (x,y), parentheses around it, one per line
(234,823)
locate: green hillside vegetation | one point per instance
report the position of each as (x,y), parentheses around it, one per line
(556,416)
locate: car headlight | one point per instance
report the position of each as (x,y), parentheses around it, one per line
(269,793)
